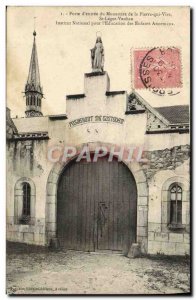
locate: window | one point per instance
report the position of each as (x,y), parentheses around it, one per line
(24,201)
(175,204)
(26,212)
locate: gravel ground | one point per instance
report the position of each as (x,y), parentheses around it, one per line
(34,270)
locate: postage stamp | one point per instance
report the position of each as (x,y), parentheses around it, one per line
(157,68)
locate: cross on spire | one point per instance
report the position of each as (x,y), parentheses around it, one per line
(34,23)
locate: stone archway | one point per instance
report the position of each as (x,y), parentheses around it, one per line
(142,198)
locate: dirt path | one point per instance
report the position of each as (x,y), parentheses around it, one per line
(32,271)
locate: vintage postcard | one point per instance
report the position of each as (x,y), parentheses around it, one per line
(98,150)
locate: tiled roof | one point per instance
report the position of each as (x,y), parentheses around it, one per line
(175,114)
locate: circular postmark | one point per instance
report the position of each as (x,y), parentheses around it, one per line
(160,70)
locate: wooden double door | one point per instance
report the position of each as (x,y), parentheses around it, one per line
(96,206)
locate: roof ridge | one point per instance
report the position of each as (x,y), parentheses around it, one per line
(185,105)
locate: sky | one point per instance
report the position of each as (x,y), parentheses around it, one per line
(64,51)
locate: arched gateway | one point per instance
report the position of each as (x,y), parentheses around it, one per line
(96,206)
(85,223)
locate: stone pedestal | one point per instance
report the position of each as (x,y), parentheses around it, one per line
(96,83)
(54,244)
(134,251)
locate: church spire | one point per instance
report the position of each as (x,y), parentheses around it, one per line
(33,90)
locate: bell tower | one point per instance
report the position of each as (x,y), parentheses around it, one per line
(33,89)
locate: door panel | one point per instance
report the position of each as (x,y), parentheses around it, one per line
(96,207)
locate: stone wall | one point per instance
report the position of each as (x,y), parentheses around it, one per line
(25,233)
(10,126)
(171,243)
(163,238)
(166,159)
(27,160)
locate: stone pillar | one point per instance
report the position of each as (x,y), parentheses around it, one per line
(96,83)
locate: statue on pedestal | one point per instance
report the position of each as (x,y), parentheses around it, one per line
(97,56)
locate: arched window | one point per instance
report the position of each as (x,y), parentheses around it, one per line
(26,211)
(175,204)
(175,194)
(24,201)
